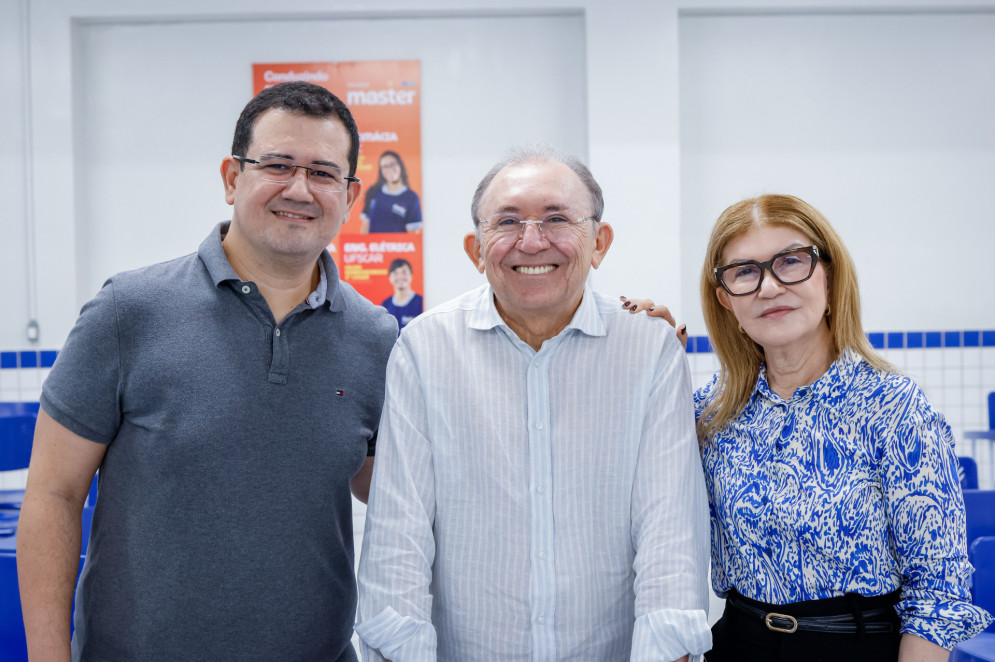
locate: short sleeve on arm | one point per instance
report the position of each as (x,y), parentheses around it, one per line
(82,393)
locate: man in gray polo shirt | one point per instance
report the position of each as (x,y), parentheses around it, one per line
(230,399)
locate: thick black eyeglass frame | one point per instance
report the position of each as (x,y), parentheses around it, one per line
(307,170)
(769,266)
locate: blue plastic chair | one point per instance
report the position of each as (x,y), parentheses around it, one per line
(967,471)
(987,435)
(16,434)
(17,428)
(980,507)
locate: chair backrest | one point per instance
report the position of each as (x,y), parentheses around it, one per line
(980,507)
(991,410)
(16,435)
(982,555)
(967,471)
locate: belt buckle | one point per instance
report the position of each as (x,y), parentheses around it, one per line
(769,622)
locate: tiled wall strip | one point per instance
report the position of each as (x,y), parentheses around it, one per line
(696,345)
(28,359)
(895,340)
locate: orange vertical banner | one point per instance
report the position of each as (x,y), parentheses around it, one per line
(379,249)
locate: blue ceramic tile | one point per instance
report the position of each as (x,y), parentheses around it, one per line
(48,358)
(877,340)
(689,348)
(914,339)
(988,338)
(951,338)
(896,340)
(934,339)
(701,345)
(8,359)
(972,338)
(29,359)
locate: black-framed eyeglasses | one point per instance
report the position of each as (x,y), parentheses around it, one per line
(280,170)
(788,267)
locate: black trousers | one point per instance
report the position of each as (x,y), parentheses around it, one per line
(742,637)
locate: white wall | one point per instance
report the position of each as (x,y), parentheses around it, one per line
(652,104)
(13,244)
(881,121)
(149,193)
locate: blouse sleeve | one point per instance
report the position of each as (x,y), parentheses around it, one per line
(925,512)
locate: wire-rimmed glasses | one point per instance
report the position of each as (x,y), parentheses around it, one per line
(553,225)
(281,171)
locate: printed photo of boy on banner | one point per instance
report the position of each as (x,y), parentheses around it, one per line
(379,249)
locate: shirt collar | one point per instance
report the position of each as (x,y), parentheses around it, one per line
(212,254)
(831,387)
(586,319)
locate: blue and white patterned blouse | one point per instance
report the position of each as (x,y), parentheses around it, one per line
(849,486)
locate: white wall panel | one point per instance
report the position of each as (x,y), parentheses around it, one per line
(880,120)
(159,100)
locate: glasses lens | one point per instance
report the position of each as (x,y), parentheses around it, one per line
(326,179)
(793,267)
(321,178)
(552,226)
(742,278)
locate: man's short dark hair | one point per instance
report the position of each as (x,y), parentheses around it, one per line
(397,264)
(298,97)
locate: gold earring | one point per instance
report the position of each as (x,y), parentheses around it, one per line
(829,310)
(741,328)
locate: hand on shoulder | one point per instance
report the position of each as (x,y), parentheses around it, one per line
(651,309)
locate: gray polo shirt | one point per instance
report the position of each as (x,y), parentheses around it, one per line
(223,527)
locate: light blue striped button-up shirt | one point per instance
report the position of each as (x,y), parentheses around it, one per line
(535,506)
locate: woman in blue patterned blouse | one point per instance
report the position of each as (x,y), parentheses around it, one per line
(836,512)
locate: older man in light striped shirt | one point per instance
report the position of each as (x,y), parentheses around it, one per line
(537,493)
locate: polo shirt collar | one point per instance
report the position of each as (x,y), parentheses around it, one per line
(329,289)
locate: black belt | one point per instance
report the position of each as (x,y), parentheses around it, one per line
(836,624)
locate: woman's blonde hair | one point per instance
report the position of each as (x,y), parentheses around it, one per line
(739,356)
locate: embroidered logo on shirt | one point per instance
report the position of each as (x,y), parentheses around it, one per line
(398,209)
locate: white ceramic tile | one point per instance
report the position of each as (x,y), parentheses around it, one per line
(8,379)
(971,378)
(933,358)
(974,418)
(13,480)
(953,378)
(31,394)
(894,356)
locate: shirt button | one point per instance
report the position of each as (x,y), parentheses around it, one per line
(542,556)
(278,333)
(538,426)
(541,620)
(246,289)
(540,489)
